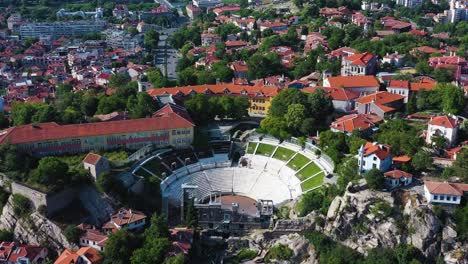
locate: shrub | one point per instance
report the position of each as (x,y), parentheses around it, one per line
(21,205)
(279,252)
(6,235)
(245,254)
(72,233)
(42,210)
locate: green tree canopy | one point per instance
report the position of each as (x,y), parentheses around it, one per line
(375,179)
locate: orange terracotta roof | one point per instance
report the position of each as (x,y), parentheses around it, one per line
(353,81)
(348,123)
(397,174)
(339,94)
(124,217)
(443,121)
(360,58)
(92,158)
(71,257)
(425,84)
(398,84)
(448,188)
(382,151)
(380,98)
(402,159)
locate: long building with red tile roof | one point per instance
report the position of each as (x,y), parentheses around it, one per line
(361,84)
(87,255)
(163,130)
(11,252)
(125,218)
(444,192)
(259,95)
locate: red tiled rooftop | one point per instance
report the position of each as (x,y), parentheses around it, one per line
(397,174)
(381,97)
(447,188)
(349,123)
(353,81)
(92,158)
(443,121)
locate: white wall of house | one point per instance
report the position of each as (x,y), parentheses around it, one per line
(450,134)
(441,198)
(90,243)
(343,106)
(400,91)
(373,162)
(393,183)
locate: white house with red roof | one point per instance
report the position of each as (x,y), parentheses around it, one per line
(92,237)
(96,164)
(13,253)
(374,156)
(399,87)
(445,126)
(348,123)
(444,192)
(359,64)
(125,218)
(342,99)
(379,103)
(396,178)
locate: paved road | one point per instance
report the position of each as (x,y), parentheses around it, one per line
(166,57)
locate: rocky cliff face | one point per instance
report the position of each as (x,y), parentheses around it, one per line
(363,219)
(35,229)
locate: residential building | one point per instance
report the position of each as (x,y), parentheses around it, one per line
(163,130)
(458,65)
(193,11)
(458,11)
(120,11)
(445,126)
(206,3)
(361,122)
(59,29)
(85,255)
(259,96)
(226,10)
(374,156)
(91,237)
(96,164)
(360,84)
(400,88)
(359,64)
(239,68)
(379,103)
(13,253)
(397,178)
(394,59)
(125,218)
(408,3)
(160,11)
(343,100)
(444,192)
(207,39)
(14,21)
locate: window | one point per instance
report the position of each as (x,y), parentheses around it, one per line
(436,197)
(374,166)
(454,198)
(375,158)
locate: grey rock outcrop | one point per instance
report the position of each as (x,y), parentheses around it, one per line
(355,220)
(34,229)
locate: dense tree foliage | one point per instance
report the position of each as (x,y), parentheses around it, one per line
(375,179)
(120,247)
(203,108)
(402,137)
(295,113)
